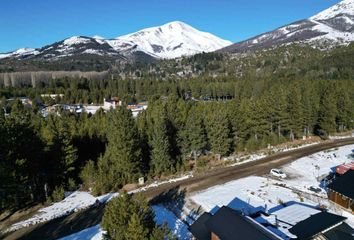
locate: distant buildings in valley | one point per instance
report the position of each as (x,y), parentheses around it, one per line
(108,104)
(53,96)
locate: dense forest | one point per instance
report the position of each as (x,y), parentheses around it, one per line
(233,104)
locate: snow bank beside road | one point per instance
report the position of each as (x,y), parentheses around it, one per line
(92,233)
(72,203)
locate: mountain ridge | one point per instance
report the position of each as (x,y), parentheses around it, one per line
(171,40)
(331,27)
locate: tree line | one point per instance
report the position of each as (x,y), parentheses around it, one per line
(105,151)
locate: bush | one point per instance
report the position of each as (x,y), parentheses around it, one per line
(58,194)
(72,185)
(88,174)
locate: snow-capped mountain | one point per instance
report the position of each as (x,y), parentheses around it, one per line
(333,26)
(171,40)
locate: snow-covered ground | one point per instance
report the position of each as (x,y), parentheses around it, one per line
(72,203)
(256,156)
(162,216)
(308,171)
(92,233)
(266,192)
(253,191)
(178,228)
(80,200)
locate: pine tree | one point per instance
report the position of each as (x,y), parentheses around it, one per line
(128,217)
(295,113)
(327,113)
(161,160)
(219,133)
(194,136)
(122,161)
(135,229)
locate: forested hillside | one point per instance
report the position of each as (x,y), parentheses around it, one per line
(218,105)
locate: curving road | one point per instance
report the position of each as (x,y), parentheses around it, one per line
(78,221)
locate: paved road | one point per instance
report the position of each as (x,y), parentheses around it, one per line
(77,221)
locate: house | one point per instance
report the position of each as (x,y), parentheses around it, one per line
(320,226)
(24,100)
(341,190)
(229,224)
(305,222)
(137,108)
(111,103)
(292,220)
(53,96)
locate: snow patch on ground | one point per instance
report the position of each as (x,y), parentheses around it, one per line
(307,172)
(178,228)
(253,192)
(256,156)
(92,233)
(80,200)
(72,203)
(162,216)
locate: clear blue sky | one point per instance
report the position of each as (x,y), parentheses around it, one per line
(34,23)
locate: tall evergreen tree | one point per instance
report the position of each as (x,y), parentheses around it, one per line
(128,218)
(327,112)
(161,160)
(219,133)
(122,161)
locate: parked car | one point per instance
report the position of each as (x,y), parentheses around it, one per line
(277,173)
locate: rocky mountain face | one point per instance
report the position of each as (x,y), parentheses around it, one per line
(331,27)
(171,40)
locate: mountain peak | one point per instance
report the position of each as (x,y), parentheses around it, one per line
(344,7)
(171,40)
(76,40)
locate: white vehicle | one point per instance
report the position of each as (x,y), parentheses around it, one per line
(277,173)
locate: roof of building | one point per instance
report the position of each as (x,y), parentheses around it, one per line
(319,222)
(229,224)
(344,184)
(342,232)
(295,213)
(199,229)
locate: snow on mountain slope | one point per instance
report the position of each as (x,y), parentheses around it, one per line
(331,27)
(19,52)
(343,7)
(171,40)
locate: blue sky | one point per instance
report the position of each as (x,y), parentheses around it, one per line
(34,23)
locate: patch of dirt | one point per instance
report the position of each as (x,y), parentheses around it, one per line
(7,218)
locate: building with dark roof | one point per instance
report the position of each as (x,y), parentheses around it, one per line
(229,224)
(316,225)
(342,232)
(341,190)
(292,220)
(199,229)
